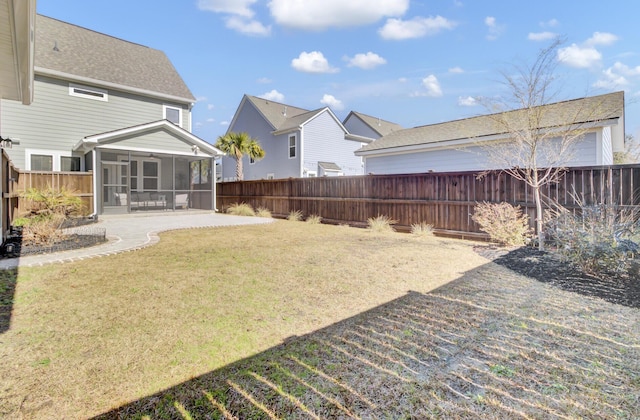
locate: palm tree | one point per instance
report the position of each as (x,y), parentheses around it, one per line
(238,145)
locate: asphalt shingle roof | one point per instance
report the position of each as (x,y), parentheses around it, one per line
(378,125)
(559,114)
(280,116)
(74,50)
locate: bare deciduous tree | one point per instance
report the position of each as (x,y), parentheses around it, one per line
(539,134)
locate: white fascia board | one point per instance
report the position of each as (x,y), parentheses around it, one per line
(357,138)
(101,83)
(157,151)
(90,142)
(22,15)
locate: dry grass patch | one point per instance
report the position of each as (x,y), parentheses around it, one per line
(88,336)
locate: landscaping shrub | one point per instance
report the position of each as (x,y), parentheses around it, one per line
(422,229)
(263,212)
(295,216)
(47,209)
(598,239)
(381,223)
(241,209)
(504,223)
(314,219)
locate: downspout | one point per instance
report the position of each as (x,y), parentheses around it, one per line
(214,177)
(301,151)
(94,158)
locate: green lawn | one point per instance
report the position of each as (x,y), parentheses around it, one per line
(296,320)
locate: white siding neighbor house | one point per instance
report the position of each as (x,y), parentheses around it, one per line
(298,142)
(371,128)
(117,109)
(463,145)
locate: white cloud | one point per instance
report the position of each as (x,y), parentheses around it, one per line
(318,15)
(210,120)
(332,102)
(551,23)
(199,124)
(201,98)
(210,106)
(495,30)
(616,76)
(581,57)
(273,95)
(224,122)
(366,61)
(601,38)
(264,80)
(402,80)
(234,7)
(248,27)
(456,70)
(468,101)
(312,62)
(418,27)
(432,85)
(541,36)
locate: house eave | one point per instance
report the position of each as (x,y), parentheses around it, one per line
(101,83)
(359,139)
(98,140)
(18,44)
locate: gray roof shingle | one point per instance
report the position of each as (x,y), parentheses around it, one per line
(559,114)
(378,125)
(74,50)
(280,116)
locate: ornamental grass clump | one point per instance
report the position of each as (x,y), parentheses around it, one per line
(505,223)
(263,212)
(422,229)
(241,209)
(314,219)
(381,224)
(294,216)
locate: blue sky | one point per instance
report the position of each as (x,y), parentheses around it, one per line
(409,62)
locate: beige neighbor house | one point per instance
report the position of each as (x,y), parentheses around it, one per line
(114,108)
(464,145)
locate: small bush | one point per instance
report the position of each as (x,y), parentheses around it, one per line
(314,219)
(241,209)
(599,239)
(381,224)
(504,223)
(263,212)
(43,230)
(294,216)
(49,201)
(422,229)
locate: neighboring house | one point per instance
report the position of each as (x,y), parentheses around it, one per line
(17,22)
(371,128)
(461,145)
(297,142)
(115,108)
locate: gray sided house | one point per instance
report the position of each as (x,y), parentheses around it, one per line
(298,142)
(115,108)
(464,145)
(365,126)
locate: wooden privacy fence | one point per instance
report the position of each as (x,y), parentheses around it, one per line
(17,182)
(445,200)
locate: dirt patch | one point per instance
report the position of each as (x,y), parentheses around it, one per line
(546,267)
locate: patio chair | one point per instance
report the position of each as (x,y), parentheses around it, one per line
(182,201)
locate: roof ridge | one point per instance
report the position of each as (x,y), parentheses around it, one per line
(97,32)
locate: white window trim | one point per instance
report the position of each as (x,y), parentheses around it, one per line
(177,108)
(139,172)
(56,154)
(101,94)
(295,146)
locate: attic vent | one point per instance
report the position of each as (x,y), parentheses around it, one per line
(88,92)
(284,111)
(55,46)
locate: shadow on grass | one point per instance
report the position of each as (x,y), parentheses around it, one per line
(489,345)
(8,280)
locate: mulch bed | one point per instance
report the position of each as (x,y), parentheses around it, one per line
(546,267)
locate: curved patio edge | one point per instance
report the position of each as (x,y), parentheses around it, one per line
(126,233)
